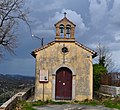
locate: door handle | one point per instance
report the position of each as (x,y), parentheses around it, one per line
(63,84)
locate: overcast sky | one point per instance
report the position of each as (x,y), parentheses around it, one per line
(96,21)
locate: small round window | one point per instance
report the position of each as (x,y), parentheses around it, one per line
(64,49)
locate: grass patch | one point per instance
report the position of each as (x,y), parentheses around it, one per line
(29,105)
(108,102)
(41,103)
(89,102)
(38,103)
(23,105)
(112,103)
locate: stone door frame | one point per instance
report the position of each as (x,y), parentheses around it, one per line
(54,82)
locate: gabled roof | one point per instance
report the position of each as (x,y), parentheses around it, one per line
(94,54)
(41,48)
(65,18)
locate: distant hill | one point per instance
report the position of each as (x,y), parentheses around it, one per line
(11,84)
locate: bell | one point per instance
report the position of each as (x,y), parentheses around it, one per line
(68,31)
(61,30)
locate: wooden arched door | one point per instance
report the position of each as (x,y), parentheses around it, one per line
(63,90)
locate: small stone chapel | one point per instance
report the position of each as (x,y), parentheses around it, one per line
(64,69)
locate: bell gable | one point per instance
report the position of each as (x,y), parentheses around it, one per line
(65,29)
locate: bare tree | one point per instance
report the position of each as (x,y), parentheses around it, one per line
(11,12)
(105,58)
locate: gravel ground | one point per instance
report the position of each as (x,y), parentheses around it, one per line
(72,107)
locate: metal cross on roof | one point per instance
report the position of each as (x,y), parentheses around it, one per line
(65,14)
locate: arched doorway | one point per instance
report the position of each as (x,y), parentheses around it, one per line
(63,90)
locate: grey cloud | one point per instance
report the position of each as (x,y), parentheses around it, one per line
(96,20)
(72,15)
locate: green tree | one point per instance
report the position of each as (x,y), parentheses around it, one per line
(97,71)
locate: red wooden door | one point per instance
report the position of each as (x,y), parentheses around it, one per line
(63,84)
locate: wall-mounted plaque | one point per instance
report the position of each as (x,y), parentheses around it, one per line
(43,77)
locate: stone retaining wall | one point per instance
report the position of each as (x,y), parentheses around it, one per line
(11,103)
(112,90)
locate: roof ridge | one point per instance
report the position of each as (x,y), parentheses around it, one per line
(41,48)
(87,48)
(63,19)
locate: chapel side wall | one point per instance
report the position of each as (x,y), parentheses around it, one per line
(76,58)
(36,78)
(91,79)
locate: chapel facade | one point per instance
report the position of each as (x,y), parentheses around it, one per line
(64,69)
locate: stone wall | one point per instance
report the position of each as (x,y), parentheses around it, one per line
(11,103)
(112,90)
